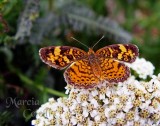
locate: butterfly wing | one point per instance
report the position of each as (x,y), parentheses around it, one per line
(122,52)
(60,57)
(80,74)
(113,71)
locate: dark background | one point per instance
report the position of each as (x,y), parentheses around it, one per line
(27,25)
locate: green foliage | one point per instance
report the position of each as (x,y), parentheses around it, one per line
(28,25)
(5,118)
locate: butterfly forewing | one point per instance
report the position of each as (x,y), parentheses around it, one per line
(60,57)
(122,52)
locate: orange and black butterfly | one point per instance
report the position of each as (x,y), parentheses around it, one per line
(88,69)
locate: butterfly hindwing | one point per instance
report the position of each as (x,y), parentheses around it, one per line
(60,57)
(113,71)
(80,74)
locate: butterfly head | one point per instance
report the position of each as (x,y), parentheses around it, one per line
(91,53)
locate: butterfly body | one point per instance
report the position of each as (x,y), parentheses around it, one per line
(88,69)
(93,61)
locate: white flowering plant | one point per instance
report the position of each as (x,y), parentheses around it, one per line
(129,103)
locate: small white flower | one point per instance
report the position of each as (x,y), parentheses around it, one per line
(122,90)
(158,77)
(107,110)
(95,103)
(65,121)
(120,115)
(93,113)
(103,124)
(106,101)
(73,107)
(73,120)
(136,117)
(116,101)
(156,94)
(90,123)
(151,109)
(108,92)
(94,93)
(112,107)
(142,67)
(129,123)
(97,118)
(142,121)
(112,121)
(102,96)
(145,104)
(85,112)
(128,106)
(139,86)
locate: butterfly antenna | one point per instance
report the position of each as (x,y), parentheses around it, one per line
(80,42)
(98,42)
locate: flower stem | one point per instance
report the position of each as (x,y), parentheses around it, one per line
(40,87)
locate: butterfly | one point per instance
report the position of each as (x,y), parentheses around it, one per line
(88,69)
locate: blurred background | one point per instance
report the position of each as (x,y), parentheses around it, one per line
(27,25)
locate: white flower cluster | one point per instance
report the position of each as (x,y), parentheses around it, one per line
(142,67)
(131,103)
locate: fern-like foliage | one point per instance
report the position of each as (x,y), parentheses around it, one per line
(82,18)
(5,118)
(70,15)
(26,19)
